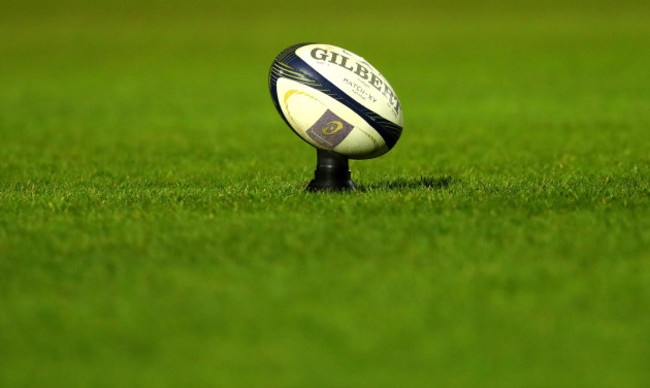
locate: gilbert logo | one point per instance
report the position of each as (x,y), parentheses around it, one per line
(329,130)
(361,69)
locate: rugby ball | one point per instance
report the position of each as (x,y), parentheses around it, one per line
(335,100)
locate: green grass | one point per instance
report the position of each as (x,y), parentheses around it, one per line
(154,230)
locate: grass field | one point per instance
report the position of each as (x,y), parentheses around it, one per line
(154,230)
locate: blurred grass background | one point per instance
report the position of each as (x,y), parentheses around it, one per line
(154,231)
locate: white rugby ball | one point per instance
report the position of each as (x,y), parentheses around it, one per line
(335,100)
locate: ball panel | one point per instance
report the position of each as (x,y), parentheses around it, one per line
(282,68)
(326,123)
(355,76)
